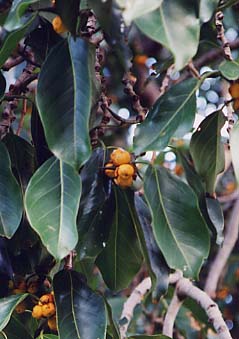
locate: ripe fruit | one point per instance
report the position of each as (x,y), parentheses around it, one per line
(37,312)
(52,323)
(20,308)
(48,310)
(119,157)
(124,182)
(125,171)
(235,104)
(111,171)
(58,25)
(234,90)
(47,298)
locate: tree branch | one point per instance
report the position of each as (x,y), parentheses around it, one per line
(184,288)
(224,252)
(171,315)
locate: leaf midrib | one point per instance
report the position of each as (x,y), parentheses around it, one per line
(175,114)
(168,222)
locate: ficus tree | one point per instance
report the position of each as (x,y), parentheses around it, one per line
(118,163)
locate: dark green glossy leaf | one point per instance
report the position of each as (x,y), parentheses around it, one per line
(207,149)
(135,9)
(2,85)
(234,143)
(64,100)
(16,329)
(52,200)
(11,204)
(12,39)
(158,269)
(114,330)
(15,16)
(172,115)
(193,178)
(80,311)
(216,216)
(7,306)
(229,69)
(22,158)
(179,229)
(206,9)
(121,259)
(96,207)
(167,25)
(68,11)
(210,207)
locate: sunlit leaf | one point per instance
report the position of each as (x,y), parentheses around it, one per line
(52,201)
(172,115)
(173,24)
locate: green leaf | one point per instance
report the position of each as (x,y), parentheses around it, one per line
(121,259)
(11,204)
(64,100)
(174,209)
(173,24)
(158,269)
(207,149)
(206,9)
(172,114)
(12,39)
(234,143)
(52,200)
(96,207)
(22,158)
(16,329)
(15,16)
(210,207)
(193,178)
(69,12)
(7,306)
(2,85)
(133,9)
(229,69)
(80,311)
(216,216)
(114,330)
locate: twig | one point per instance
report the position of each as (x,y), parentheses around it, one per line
(224,252)
(134,299)
(20,86)
(69,260)
(193,70)
(23,113)
(129,81)
(166,80)
(229,197)
(221,35)
(171,315)
(184,288)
